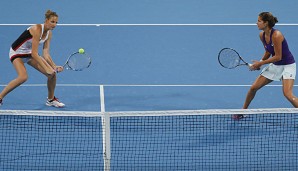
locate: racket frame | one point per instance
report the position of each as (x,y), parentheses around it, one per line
(239,64)
(66,66)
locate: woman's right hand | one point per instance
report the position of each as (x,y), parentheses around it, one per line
(50,71)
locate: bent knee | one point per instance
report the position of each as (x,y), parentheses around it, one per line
(254,88)
(22,78)
(288,95)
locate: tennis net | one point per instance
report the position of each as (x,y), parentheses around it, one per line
(159,140)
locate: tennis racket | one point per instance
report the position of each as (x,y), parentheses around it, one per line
(230,58)
(77,62)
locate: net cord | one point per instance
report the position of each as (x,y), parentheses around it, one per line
(149,113)
(106,117)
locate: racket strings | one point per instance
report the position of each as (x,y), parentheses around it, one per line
(228,58)
(78,62)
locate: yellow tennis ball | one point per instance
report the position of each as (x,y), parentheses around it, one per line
(81,50)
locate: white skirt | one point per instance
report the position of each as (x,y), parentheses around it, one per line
(279,72)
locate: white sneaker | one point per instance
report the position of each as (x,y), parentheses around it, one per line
(54,102)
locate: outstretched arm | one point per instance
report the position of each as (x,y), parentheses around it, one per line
(47,56)
(36,33)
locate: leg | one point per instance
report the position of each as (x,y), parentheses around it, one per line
(288,91)
(21,78)
(51,82)
(258,84)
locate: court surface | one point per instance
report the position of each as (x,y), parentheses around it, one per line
(147,55)
(143,63)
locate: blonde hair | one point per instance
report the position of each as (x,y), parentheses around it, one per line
(50,14)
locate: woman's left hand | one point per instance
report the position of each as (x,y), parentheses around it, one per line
(256,65)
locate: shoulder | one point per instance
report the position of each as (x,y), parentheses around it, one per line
(277,35)
(35,29)
(49,35)
(261,34)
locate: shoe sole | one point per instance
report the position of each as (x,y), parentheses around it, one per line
(54,105)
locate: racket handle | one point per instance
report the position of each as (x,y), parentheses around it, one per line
(249,65)
(57,70)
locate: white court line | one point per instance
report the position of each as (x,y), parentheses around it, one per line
(144,85)
(60,85)
(102,99)
(229,24)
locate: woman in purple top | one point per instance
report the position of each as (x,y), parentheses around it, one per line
(281,66)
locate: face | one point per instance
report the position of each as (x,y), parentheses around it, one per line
(51,22)
(261,24)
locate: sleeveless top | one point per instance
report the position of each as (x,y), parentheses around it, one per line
(287,57)
(23,45)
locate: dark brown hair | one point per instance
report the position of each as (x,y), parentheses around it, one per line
(268,17)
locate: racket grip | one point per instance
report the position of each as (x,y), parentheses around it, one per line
(249,66)
(59,69)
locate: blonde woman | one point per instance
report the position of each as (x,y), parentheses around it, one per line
(25,50)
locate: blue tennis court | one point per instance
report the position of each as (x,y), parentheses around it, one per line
(150,56)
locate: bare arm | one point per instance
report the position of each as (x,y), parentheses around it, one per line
(277,39)
(36,33)
(46,51)
(266,54)
(47,56)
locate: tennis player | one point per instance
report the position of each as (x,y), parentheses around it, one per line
(25,50)
(281,62)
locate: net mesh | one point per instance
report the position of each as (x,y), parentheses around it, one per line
(46,141)
(162,140)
